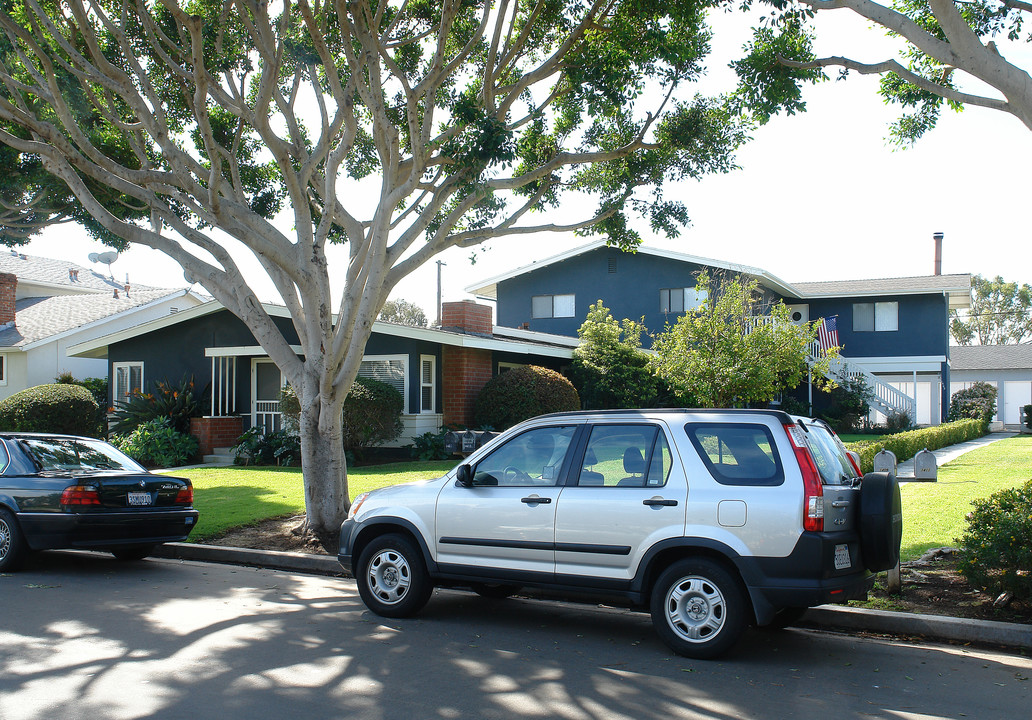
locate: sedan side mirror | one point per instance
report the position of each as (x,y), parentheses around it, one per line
(464,476)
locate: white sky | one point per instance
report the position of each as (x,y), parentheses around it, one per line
(819,196)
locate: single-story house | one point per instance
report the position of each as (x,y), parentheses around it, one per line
(1008,368)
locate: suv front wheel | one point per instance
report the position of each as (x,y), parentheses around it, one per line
(392,579)
(697,608)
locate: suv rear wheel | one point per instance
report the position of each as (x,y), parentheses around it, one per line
(697,608)
(392,579)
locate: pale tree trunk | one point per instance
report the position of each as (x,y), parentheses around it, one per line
(322,460)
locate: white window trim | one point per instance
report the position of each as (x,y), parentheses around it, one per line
(114,378)
(404,359)
(3,370)
(502,365)
(432,384)
(552,297)
(885,317)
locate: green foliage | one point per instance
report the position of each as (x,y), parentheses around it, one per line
(155,443)
(521,393)
(371,415)
(176,403)
(402,312)
(609,369)
(850,405)
(735,349)
(995,553)
(430,446)
(897,422)
(56,408)
(906,445)
(1028,416)
(255,447)
(1000,313)
(977,401)
(98,388)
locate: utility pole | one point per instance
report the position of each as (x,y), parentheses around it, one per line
(440,264)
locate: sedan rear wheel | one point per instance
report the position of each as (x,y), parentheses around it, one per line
(392,579)
(12,544)
(697,608)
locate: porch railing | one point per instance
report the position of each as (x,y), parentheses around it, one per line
(267,415)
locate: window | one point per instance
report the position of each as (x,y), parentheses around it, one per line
(128,379)
(677,300)
(876,317)
(427,383)
(552,306)
(391,369)
(737,453)
(3,370)
(533,458)
(625,456)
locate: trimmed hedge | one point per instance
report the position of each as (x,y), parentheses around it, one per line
(906,445)
(54,408)
(521,393)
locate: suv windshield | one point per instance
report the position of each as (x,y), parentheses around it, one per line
(829,454)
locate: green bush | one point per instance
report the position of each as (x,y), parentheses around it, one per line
(276,448)
(522,393)
(850,404)
(56,408)
(977,401)
(176,403)
(430,446)
(1028,416)
(155,443)
(98,388)
(995,553)
(908,444)
(371,415)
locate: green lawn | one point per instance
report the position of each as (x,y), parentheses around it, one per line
(933,513)
(229,497)
(860,437)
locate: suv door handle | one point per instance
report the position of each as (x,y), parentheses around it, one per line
(534,499)
(652,502)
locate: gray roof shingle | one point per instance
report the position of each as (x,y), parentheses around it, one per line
(887,286)
(47,271)
(991,357)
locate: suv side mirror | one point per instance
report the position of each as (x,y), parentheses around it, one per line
(464,476)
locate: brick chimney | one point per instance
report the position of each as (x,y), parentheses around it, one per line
(8,290)
(464,370)
(466,316)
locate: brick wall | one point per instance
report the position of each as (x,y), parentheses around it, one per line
(466,371)
(216,432)
(467,316)
(8,288)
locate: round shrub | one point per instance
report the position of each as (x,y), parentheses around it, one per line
(371,415)
(155,443)
(56,408)
(522,393)
(995,553)
(977,402)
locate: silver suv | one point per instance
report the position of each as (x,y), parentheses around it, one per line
(709,519)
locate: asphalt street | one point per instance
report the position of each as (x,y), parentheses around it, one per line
(84,636)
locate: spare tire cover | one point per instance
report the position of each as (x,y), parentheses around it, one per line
(881,521)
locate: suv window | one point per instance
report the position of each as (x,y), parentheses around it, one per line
(625,456)
(737,453)
(531,458)
(829,455)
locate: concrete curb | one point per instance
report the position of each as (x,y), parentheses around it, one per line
(825,617)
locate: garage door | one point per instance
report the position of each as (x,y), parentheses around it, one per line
(1016,395)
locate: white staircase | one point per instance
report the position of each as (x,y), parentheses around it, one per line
(887,399)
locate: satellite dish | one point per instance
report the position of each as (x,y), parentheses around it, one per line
(106,257)
(94,257)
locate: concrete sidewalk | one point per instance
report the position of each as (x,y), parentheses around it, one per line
(905,469)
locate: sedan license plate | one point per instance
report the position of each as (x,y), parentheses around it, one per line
(140,498)
(842,561)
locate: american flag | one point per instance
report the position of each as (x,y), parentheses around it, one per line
(827,334)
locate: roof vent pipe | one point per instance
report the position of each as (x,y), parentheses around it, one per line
(938,252)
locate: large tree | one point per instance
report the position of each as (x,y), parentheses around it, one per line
(1000,313)
(397,128)
(944,46)
(738,348)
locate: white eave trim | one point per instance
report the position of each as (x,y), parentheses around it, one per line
(91,348)
(900,364)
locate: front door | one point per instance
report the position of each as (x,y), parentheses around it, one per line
(504,524)
(266,383)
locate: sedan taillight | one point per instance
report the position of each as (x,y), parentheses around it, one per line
(185,496)
(80,495)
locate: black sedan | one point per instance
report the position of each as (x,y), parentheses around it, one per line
(59,491)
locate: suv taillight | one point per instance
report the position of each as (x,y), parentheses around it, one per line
(813,488)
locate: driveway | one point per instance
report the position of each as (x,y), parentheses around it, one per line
(85,636)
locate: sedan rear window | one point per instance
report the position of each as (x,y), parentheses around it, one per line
(77,455)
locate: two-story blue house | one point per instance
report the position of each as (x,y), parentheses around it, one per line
(894,329)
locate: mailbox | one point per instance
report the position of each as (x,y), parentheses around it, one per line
(469,442)
(885,461)
(925,466)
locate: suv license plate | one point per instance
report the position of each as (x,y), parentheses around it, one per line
(842,560)
(144,498)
